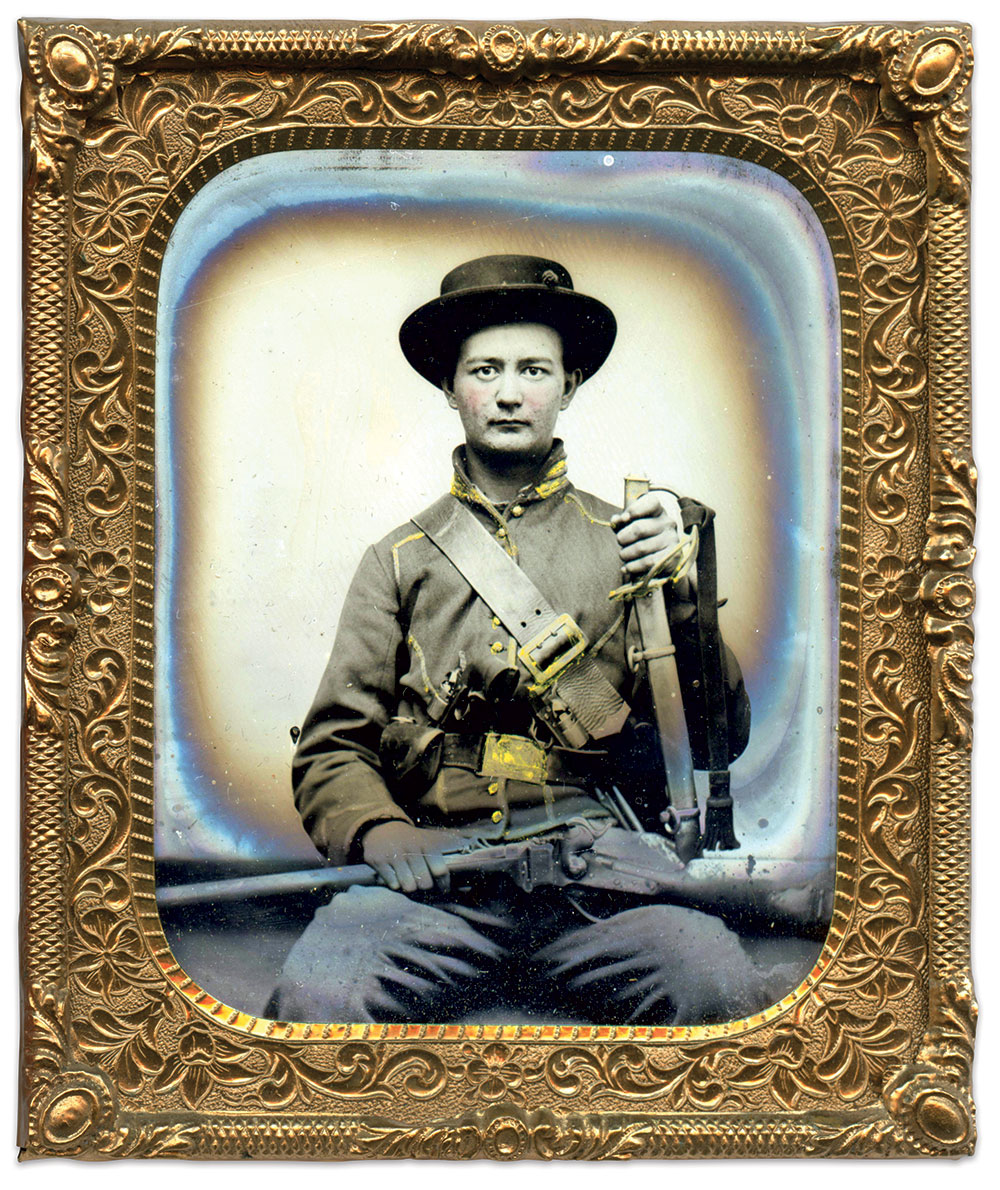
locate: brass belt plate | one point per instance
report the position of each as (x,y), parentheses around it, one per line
(514,757)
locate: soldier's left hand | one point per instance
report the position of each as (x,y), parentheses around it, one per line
(646,532)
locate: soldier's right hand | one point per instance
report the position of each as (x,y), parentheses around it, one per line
(408,857)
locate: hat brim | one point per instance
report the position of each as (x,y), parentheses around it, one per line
(431,336)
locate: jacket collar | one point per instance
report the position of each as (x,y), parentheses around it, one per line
(551,478)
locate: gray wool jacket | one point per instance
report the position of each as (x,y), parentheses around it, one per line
(409,616)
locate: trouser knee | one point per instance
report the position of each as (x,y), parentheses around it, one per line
(374,955)
(659,965)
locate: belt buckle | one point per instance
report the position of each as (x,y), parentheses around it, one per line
(548,653)
(515,758)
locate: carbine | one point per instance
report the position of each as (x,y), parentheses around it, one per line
(583,853)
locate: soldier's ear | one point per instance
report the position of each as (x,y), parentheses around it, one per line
(572,384)
(449,393)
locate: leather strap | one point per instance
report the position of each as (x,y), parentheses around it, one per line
(719,834)
(709,642)
(522,609)
(487,567)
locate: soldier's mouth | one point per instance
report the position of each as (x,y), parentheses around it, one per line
(506,423)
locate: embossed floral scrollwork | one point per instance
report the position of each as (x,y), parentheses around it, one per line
(73,1111)
(214,104)
(138,47)
(503,104)
(45,1030)
(106,671)
(105,580)
(413,101)
(139,135)
(496,1072)
(48,643)
(111,207)
(821,1046)
(149,1046)
(72,71)
(898,383)
(951,652)
(827,125)
(133,131)
(628,1070)
(635,104)
(886,585)
(108,952)
(886,215)
(882,960)
(891,878)
(784,1064)
(109,959)
(591,1138)
(948,592)
(203,1060)
(47,520)
(800,111)
(358,1070)
(51,585)
(124,1042)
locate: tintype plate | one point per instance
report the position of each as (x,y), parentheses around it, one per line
(225,228)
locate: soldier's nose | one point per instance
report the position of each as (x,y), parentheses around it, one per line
(509,393)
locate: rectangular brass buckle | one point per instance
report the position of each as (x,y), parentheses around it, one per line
(514,757)
(548,653)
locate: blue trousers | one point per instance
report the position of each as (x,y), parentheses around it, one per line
(373,955)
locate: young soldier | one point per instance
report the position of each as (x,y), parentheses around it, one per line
(442,716)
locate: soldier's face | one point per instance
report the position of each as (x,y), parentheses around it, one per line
(510,387)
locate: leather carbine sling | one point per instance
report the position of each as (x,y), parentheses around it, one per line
(552,647)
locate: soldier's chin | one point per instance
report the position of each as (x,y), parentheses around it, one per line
(522,445)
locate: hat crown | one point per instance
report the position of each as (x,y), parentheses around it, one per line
(499,291)
(501,272)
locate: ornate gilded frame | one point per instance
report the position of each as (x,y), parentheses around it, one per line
(123,1054)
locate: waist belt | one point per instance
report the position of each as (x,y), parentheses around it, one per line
(553,647)
(517,758)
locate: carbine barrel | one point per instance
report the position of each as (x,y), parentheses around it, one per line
(782,892)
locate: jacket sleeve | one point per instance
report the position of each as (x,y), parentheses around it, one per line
(336,775)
